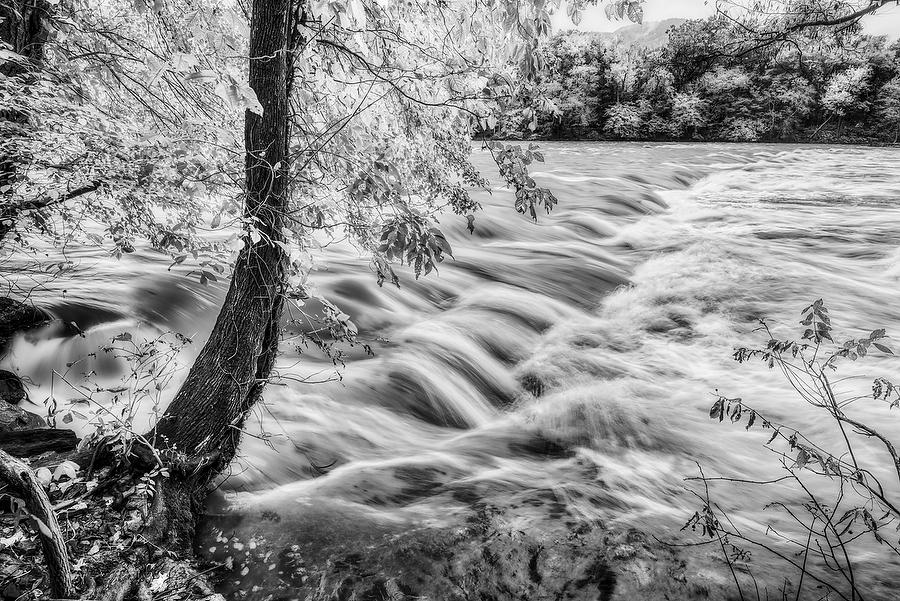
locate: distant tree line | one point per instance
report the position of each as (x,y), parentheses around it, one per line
(697,87)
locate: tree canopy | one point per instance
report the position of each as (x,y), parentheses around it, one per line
(720,78)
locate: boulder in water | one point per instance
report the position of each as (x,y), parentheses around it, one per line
(16,316)
(13,417)
(12,390)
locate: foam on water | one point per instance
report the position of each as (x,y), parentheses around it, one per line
(566,367)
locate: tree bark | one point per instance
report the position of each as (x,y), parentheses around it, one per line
(23,25)
(207,414)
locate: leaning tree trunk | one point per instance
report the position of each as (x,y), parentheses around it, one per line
(207,414)
(199,432)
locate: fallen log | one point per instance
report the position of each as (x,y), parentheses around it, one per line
(31,442)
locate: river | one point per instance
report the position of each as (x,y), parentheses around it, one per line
(556,371)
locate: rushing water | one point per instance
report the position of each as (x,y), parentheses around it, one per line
(558,368)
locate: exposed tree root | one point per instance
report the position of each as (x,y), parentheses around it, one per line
(134,538)
(24,484)
(158,564)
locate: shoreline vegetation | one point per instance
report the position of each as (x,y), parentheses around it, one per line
(689,84)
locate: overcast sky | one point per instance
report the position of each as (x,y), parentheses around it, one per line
(887,21)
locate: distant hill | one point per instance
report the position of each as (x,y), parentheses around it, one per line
(649,35)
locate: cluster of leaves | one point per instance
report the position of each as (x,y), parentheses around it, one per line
(513,163)
(620,9)
(412,239)
(884,390)
(818,329)
(116,141)
(704,520)
(815,318)
(733,409)
(856,348)
(330,330)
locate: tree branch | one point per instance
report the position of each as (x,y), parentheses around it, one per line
(848,18)
(8,215)
(871,432)
(779,35)
(46,201)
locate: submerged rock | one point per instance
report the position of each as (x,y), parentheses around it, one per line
(12,390)
(488,559)
(13,417)
(16,316)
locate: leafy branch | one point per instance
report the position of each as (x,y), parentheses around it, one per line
(858,505)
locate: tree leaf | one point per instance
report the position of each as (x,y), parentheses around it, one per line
(68,469)
(882,348)
(717,410)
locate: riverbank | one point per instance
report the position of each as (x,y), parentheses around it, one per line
(870,141)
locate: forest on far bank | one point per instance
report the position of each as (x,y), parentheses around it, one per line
(698,86)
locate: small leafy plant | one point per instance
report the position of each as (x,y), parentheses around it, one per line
(111,409)
(843,501)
